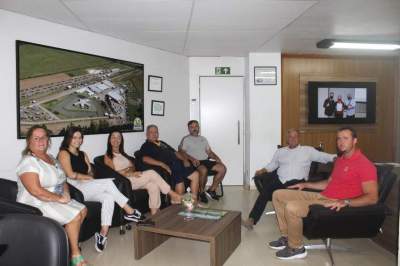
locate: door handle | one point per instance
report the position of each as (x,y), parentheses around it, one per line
(238,132)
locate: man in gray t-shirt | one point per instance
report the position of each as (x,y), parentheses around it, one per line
(197,151)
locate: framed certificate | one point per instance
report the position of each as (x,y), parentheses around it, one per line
(155,83)
(157,108)
(265,75)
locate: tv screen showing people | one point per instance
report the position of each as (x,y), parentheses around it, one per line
(341,102)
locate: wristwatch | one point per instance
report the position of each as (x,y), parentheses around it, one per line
(347,202)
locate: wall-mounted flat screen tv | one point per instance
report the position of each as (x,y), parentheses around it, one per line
(59,88)
(341,102)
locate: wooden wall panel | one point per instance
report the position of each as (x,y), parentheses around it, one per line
(376,140)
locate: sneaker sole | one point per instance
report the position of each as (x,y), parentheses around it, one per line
(298,256)
(131,219)
(97,249)
(248,227)
(276,248)
(95,246)
(209,196)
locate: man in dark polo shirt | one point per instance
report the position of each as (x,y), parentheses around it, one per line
(158,153)
(353,182)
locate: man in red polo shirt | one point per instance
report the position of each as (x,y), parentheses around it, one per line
(353,182)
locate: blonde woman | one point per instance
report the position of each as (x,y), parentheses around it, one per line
(42,184)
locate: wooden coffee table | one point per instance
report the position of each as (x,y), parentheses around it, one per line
(224,234)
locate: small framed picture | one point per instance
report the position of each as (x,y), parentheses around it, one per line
(265,75)
(157,108)
(155,83)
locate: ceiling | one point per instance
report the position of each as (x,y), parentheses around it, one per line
(224,27)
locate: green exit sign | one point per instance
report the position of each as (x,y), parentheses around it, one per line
(222,70)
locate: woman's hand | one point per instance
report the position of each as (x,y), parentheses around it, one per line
(137,174)
(64,198)
(84,177)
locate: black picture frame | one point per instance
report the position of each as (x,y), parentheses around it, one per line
(155,106)
(155,83)
(313,101)
(265,75)
(59,88)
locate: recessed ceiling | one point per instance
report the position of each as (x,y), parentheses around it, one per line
(224,27)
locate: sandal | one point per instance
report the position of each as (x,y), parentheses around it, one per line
(78,261)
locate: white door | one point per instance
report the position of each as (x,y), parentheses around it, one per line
(221,122)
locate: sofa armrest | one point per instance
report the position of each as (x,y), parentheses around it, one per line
(8,206)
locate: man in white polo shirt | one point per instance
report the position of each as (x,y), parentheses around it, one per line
(197,151)
(293,163)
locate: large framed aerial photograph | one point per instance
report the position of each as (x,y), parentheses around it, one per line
(59,88)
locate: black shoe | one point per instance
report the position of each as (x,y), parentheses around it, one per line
(135,216)
(289,253)
(203,197)
(212,195)
(248,224)
(100,242)
(281,243)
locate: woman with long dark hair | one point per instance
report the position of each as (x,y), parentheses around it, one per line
(77,166)
(117,159)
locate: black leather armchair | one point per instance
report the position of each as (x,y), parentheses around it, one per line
(138,198)
(315,174)
(349,222)
(27,239)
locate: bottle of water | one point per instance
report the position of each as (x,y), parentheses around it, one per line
(188,195)
(188,200)
(188,203)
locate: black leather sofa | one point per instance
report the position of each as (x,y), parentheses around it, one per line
(8,205)
(28,239)
(92,223)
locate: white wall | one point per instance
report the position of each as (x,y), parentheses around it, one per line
(262,104)
(264,112)
(173,68)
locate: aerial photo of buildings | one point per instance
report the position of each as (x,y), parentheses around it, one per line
(59,88)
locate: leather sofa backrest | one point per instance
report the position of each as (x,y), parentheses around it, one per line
(8,189)
(386,179)
(32,240)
